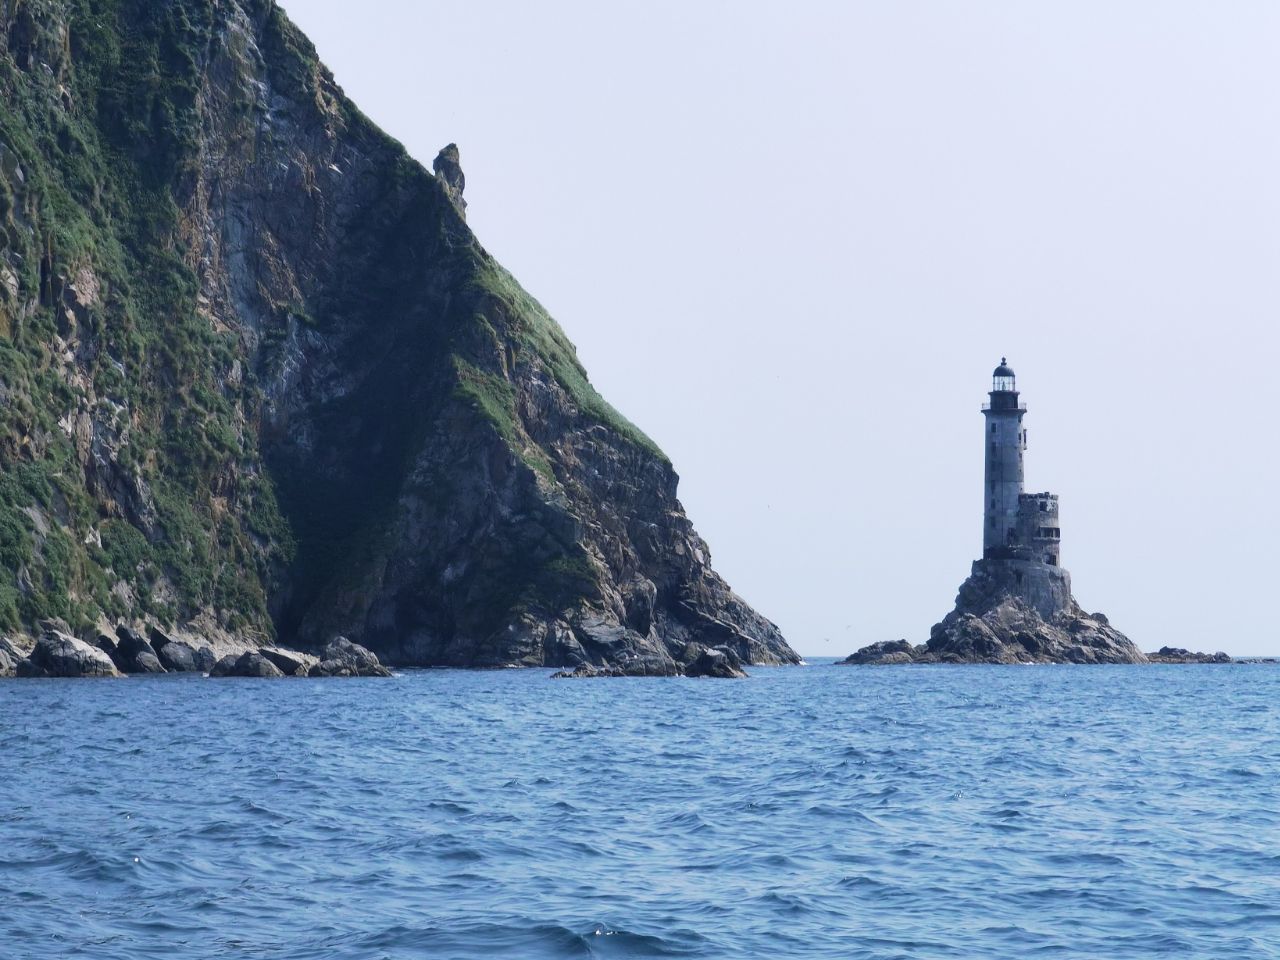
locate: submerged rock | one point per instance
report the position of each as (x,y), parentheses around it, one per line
(634,667)
(587,671)
(59,654)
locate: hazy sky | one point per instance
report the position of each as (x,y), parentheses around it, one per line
(792,240)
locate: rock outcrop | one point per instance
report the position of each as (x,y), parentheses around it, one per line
(59,654)
(885,652)
(695,660)
(272,385)
(719,662)
(448,170)
(1011,611)
(134,653)
(178,657)
(10,657)
(250,664)
(289,662)
(1182,655)
(342,658)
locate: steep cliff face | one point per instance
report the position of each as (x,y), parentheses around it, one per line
(259,377)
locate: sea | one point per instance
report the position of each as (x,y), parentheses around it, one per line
(818,811)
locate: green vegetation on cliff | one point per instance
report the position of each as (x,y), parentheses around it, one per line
(258,377)
(121,423)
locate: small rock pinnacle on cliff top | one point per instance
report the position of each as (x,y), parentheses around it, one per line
(448,169)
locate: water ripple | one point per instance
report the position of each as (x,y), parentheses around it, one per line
(878,813)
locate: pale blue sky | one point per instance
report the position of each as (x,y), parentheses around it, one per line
(792,240)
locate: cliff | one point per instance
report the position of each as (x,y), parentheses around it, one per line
(258,378)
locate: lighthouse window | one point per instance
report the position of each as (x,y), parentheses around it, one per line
(1044,507)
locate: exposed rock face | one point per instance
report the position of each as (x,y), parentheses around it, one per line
(250,664)
(205,659)
(1012,611)
(289,662)
(134,654)
(887,652)
(1015,632)
(694,660)
(10,657)
(342,658)
(448,170)
(719,662)
(58,654)
(177,657)
(287,393)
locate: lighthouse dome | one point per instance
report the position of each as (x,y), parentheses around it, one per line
(1002,380)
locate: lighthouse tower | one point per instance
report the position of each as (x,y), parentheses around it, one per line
(1006,440)
(1016,604)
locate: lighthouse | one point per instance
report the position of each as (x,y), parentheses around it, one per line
(1016,525)
(1016,604)
(1006,442)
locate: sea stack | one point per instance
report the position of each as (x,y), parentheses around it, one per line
(1016,606)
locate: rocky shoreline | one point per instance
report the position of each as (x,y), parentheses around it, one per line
(124,651)
(58,652)
(695,660)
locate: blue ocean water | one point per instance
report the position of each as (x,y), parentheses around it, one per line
(823,811)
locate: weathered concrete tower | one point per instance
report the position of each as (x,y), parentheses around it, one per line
(1021,536)
(1005,442)
(1016,604)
